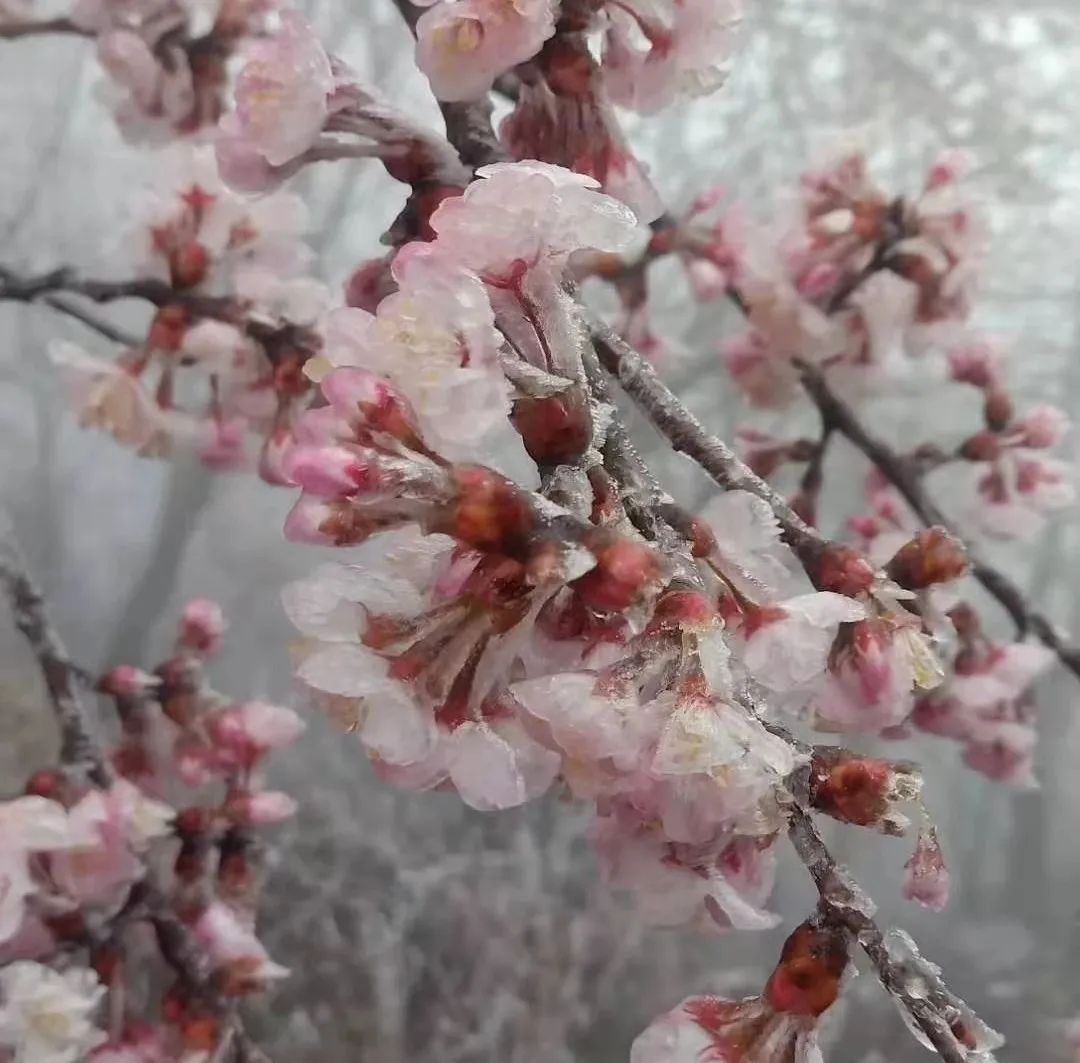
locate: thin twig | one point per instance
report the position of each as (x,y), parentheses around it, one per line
(92,321)
(904,477)
(79,746)
(11,31)
(688,435)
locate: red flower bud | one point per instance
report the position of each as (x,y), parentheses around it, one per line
(998,410)
(933,556)
(861,790)
(807,979)
(555,430)
(842,569)
(985,446)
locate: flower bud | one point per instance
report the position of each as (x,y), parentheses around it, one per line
(807,979)
(201,625)
(841,569)
(862,790)
(555,430)
(933,556)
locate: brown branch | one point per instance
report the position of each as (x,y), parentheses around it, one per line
(11,31)
(92,321)
(904,476)
(79,746)
(688,435)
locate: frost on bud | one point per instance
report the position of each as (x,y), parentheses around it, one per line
(625,574)
(862,790)
(926,878)
(933,556)
(201,626)
(841,569)
(812,964)
(555,430)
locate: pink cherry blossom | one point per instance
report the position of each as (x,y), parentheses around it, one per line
(786,645)
(655,52)
(521,215)
(202,625)
(47,1016)
(435,339)
(464,45)
(282,92)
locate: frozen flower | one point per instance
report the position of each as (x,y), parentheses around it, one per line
(873,669)
(866,791)
(786,645)
(236,953)
(926,878)
(525,214)
(108,396)
(566,118)
(47,1017)
(118,825)
(202,624)
(435,339)
(656,51)
(29,825)
(464,45)
(282,92)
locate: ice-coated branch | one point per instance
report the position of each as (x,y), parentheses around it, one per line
(79,746)
(840,417)
(845,903)
(688,435)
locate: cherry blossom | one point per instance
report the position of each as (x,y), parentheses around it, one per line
(282,92)
(654,52)
(464,45)
(46,1016)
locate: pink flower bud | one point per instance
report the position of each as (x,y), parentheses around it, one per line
(927,878)
(1044,427)
(330,471)
(202,625)
(264,807)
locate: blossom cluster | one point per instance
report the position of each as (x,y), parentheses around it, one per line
(222,358)
(493,641)
(165,61)
(93,875)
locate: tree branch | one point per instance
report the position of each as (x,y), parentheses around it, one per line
(79,746)
(11,31)
(904,477)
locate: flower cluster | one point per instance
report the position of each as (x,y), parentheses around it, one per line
(166,61)
(295,105)
(82,869)
(223,356)
(491,641)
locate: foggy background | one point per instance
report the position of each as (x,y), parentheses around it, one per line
(416,929)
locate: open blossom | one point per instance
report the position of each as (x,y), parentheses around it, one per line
(282,92)
(525,215)
(47,1016)
(107,395)
(464,45)
(655,52)
(29,825)
(235,952)
(987,706)
(435,339)
(780,1026)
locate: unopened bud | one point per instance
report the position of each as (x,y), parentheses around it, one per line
(555,430)
(984,446)
(933,556)
(997,410)
(807,979)
(843,570)
(862,790)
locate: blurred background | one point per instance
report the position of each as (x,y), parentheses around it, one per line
(416,929)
